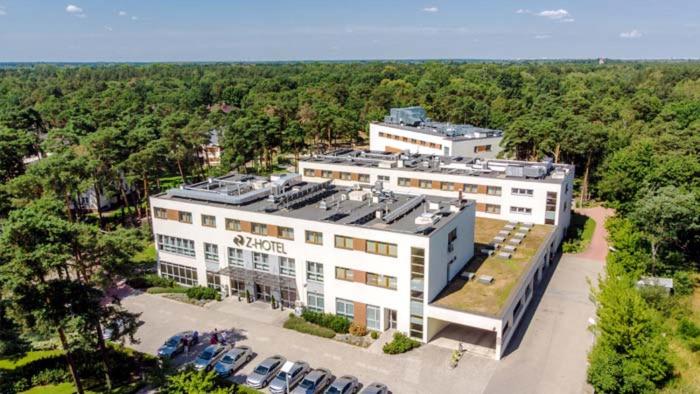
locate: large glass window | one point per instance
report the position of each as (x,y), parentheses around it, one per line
(386,281)
(179,273)
(516,191)
(233,225)
(383,178)
(235,257)
(404,181)
(287,267)
(313,237)
(214,280)
(258,228)
(346,176)
(470,188)
(382,248)
(344,274)
(345,308)
(425,184)
(314,301)
(343,242)
(417,288)
(261,261)
(181,246)
(373,316)
(326,174)
(160,213)
(184,217)
(493,190)
(309,172)
(211,252)
(285,232)
(364,178)
(521,210)
(493,208)
(314,271)
(208,221)
(448,186)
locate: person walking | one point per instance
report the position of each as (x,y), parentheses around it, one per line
(186,343)
(223,337)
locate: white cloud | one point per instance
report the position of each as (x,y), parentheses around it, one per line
(134,18)
(631,34)
(108,28)
(431,9)
(542,36)
(2,12)
(522,11)
(73,9)
(122,13)
(554,14)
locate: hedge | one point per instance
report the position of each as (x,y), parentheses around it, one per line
(336,323)
(400,344)
(298,324)
(162,290)
(150,280)
(203,293)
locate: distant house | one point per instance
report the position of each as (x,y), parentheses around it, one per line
(652,281)
(210,153)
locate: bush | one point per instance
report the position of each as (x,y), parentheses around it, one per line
(400,344)
(357,329)
(687,329)
(50,376)
(374,335)
(298,324)
(682,283)
(336,323)
(162,290)
(203,293)
(150,280)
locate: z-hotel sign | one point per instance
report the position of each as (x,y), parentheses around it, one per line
(264,245)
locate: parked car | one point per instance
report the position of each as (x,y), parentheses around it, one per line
(292,373)
(346,384)
(208,357)
(232,360)
(113,330)
(314,382)
(265,372)
(376,388)
(174,345)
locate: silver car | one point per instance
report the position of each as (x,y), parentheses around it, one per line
(344,385)
(265,372)
(208,357)
(314,382)
(291,373)
(174,344)
(376,388)
(232,360)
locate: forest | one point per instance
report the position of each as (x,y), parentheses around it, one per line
(632,129)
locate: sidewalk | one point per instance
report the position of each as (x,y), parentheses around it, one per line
(598,248)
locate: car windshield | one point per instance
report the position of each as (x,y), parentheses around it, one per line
(206,355)
(260,370)
(282,375)
(172,341)
(227,359)
(334,390)
(307,384)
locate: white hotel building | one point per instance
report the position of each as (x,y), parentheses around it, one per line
(374,256)
(518,191)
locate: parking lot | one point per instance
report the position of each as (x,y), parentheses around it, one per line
(548,356)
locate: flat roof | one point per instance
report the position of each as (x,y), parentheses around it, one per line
(448,131)
(452,165)
(288,196)
(490,299)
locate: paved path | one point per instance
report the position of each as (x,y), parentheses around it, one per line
(598,248)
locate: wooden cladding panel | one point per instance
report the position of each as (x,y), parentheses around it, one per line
(360,313)
(246,227)
(272,230)
(391,149)
(336,175)
(359,244)
(414,182)
(355,176)
(359,276)
(317,173)
(173,214)
(481,189)
(481,207)
(436,185)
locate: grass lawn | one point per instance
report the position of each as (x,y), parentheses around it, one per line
(63,388)
(580,233)
(489,299)
(12,363)
(147,255)
(685,362)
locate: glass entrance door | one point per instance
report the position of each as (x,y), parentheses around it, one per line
(390,319)
(262,292)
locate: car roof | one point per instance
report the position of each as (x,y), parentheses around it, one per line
(235,351)
(270,360)
(287,366)
(212,347)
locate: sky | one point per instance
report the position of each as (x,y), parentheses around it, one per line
(264,30)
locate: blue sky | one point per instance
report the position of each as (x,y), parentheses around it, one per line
(208,30)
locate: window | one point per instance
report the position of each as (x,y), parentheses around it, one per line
(385,281)
(258,228)
(208,221)
(309,172)
(373,316)
(314,301)
(343,274)
(551,207)
(417,326)
(237,287)
(451,238)
(493,190)
(160,213)
(516,310)
(343,242)
(470,188)
(521,192)
(179,273)
(233,225)
(211,252)
(313,237)
(184,217)
(326,174)
(261,261)
(314,271)
(447,186)
(404,181)
(383,178)
(417,274)
(364,178)
(521,210)
(213,280)
(346,176)
(176,245)
(384,249)
(492,208)
(425,184)
(285,232)
(235,257)
(482,148)
(287,266)
(345,308)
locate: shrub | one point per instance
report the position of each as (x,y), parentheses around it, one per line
(162,290)
(400,344)
(50,376)
(336,323)
(202,293)
(150,280)
(682,283)
(687,329)
(298,324)
(357,329)
(374,335)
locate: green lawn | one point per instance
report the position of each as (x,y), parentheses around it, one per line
(63,388)
(147,255)
(9,363)
(580,233)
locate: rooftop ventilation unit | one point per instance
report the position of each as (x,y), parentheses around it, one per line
(407,207)
(427,219)
(301,195)
(515,171)
(535,171)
